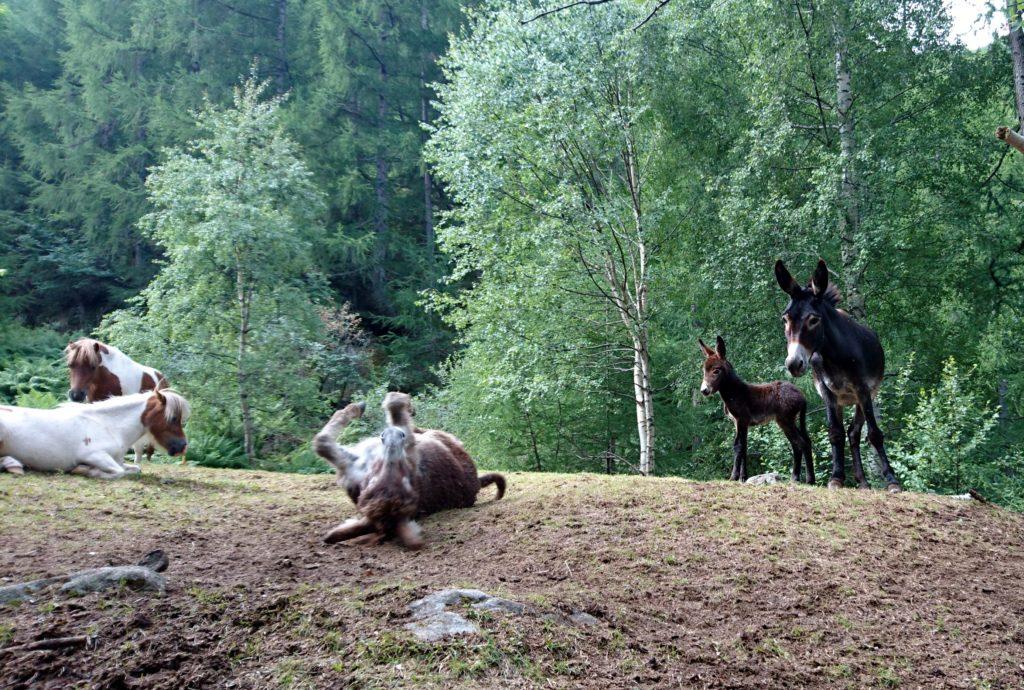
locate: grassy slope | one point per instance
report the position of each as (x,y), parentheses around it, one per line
(694,585)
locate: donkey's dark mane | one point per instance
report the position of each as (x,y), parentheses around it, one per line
(831,296)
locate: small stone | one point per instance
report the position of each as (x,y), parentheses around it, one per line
(582,618)
(765,479)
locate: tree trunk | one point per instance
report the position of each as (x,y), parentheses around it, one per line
(283,72)
(378,275)
(849,218)
(1016,38)
(244,293)
(644,405)
(428,183)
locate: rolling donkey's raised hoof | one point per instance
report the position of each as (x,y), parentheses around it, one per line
(835,484)
(895,488)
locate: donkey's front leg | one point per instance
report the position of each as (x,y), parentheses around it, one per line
(836,436)
(739,449)
(876,439)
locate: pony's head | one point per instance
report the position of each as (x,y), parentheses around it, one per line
(84,357)
(716,366)
(164,418)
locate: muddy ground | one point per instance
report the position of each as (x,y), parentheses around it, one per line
(693,585)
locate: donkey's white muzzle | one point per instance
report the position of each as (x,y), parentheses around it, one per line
(797,358)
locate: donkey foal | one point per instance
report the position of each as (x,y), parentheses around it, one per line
(754,404)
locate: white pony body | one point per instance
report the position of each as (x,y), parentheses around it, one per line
(88,439)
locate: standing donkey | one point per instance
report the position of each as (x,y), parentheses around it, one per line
(755,404)
(99,371)
(847,362)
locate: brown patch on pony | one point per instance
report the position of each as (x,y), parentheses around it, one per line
(104,385)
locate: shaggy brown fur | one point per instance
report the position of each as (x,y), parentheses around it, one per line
(755,404)
(430,472)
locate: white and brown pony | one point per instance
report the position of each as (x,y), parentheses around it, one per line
(91,439)
(100,371)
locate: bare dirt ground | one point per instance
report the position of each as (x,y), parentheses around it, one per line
(693,585)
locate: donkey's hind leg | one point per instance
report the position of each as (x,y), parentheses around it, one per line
(877,441)
(408,532)
(853,436)
(796,443)
(350,529)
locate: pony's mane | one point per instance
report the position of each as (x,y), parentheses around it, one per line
(176,405)
(83,352)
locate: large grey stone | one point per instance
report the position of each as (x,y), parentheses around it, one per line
(438,601)
(441,625)
(135,577)
(499,604)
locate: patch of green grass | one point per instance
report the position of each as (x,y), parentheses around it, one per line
(888,678)
(6,634)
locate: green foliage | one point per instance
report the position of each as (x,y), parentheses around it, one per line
(944,434)
(231,317)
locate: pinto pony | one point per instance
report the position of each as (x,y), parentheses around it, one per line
(403,474)
(847,362)
(91,439)
(755,404)
(99,371)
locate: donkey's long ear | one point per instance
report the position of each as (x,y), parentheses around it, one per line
(720,346)
(786,281)
(704,349)
(819,281)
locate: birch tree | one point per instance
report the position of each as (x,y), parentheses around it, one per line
(554,169)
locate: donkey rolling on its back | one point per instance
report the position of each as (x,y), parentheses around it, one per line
(750,405)
(847,362)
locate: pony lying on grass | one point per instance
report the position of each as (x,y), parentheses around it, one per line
(403,474)
(91,439)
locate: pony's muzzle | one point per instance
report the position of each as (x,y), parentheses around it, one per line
(176,446)
(76,395)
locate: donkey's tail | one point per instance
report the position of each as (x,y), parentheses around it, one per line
(803,417)
(494,478)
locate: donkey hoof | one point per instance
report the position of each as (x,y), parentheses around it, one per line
(895,488)
(863,485)
(835,483)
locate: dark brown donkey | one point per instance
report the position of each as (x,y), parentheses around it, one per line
(847,362)
(750,405)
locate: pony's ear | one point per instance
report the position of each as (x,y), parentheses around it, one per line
(819,281)
(785,278)
(720,346)
(705,350)
(160,396)
(97,347)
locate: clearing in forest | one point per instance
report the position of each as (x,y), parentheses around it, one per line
(691,584)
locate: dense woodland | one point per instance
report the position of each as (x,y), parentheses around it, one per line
(524,217)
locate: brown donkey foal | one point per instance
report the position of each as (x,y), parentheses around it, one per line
(755,404)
